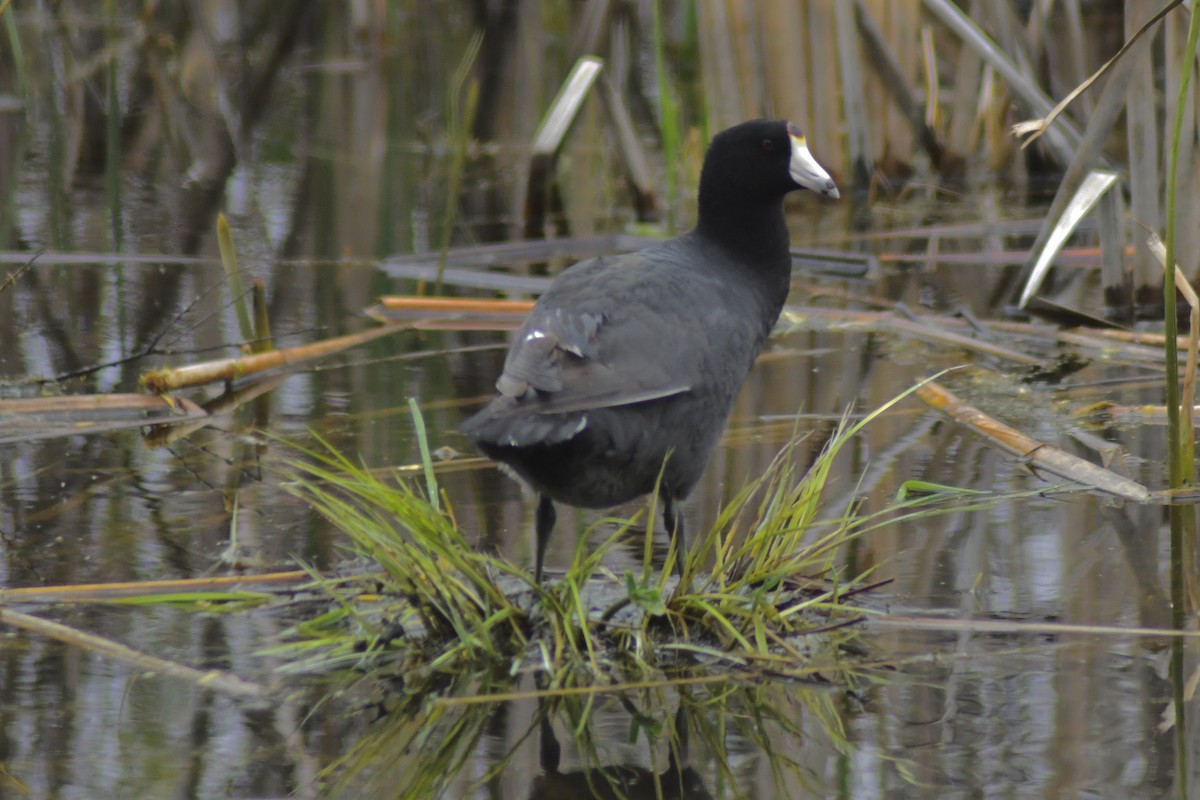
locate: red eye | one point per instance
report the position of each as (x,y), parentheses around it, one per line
(768,145)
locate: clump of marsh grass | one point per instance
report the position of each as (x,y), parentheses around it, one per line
(435,633)
(773,597)
(435,604)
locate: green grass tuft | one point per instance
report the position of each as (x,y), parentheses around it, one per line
(765,574)
(443,632)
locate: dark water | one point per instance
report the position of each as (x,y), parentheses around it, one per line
(345,163)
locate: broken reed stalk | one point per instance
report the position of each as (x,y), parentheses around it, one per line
(1038,455)
(547,143)
(1061,225)
(1113,413)
(464,305)
(154,590)
(27,419)
(229,369)
(234,275)
(892,322)
(226,403)
(1135,347)
(221,682)
(450,313)
(975,625)
(73,409)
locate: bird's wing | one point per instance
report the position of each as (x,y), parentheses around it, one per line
(600,351)
(559,365)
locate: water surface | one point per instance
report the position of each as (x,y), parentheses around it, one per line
(346,164)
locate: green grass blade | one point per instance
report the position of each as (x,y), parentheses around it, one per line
(426,458)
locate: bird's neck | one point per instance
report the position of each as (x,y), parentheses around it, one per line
(754,241)
(756,232)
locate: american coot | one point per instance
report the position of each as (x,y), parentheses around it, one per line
(627,367)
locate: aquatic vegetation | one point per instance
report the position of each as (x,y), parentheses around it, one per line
(435,631)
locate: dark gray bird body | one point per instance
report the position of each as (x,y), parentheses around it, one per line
(628,365)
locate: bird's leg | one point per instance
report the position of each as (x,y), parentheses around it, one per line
(673,520)
(549,750)
(545,517)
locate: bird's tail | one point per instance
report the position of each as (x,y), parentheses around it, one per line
(502,424)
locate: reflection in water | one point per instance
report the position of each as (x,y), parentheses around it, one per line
(679,781)
(1019,710)
(629,745)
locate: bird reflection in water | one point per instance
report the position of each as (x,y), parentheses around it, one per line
(677,782)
